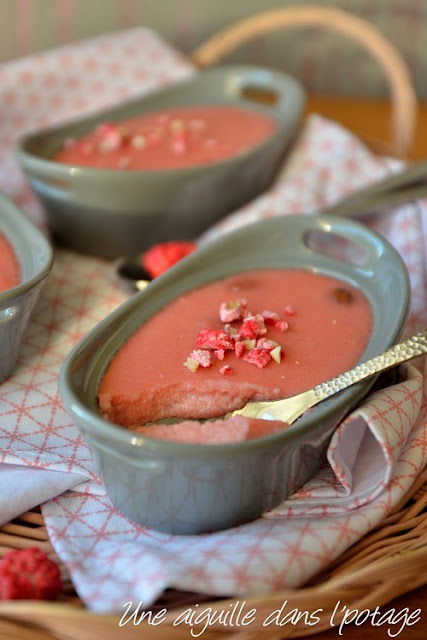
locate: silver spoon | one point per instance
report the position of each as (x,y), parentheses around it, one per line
(289,409)
(130,269)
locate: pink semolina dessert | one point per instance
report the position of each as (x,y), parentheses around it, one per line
(171,139)
(190,361)
(235,429)
(10,272)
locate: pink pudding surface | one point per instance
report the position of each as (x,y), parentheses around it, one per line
(171,139)
(319,325)
(10,272)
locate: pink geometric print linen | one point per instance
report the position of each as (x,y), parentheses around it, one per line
(374,455)
(47,89)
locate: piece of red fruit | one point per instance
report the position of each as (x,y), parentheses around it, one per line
(202,356)
(162,256)
(29,574)
(214,339)
(259,357)
(252,327)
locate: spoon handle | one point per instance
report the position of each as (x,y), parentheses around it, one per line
(410,348)
(405,185)
(363,203)
(289,409)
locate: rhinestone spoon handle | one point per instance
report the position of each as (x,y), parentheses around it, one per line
(289,409)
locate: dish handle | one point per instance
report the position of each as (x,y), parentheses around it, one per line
(265,88)
(345,242)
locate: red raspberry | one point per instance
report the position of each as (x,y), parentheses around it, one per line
(202,356)
(162,256)
(214,339)
(29,574)
(289,311)
(179,143)
(258,357)
(282,325)
(233,310)
(106,127)
(253,326)
(112,136)
(85,148)
(226,370)
(239,349)
(270,317)
(265,343)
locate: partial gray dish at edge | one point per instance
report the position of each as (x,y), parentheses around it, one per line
(35,256)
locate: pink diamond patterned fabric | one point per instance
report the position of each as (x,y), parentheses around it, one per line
(374,456)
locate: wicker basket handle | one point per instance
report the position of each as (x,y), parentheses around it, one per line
(404,102)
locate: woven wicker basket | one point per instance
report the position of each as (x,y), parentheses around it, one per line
(382,566)
(403,99)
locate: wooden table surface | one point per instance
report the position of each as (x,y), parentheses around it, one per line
(370,120)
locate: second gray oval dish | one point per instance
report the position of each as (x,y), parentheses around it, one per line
(193,488)
(112,213)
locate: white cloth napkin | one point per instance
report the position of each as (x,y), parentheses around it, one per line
(374,456)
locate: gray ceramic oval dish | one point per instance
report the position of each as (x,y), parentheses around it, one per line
(34,255)
(111,213)
(191,488)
